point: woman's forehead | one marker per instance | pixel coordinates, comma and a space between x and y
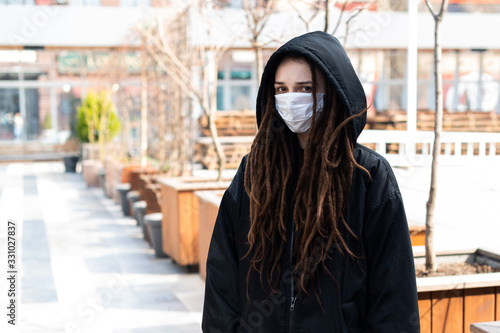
293, 69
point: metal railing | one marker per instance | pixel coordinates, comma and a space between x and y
402, 148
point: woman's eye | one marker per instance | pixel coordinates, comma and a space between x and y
306, 89
281, 90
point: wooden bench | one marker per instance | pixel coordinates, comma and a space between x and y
235, 147
452, 121
231, 123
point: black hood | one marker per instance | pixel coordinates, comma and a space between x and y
325, 52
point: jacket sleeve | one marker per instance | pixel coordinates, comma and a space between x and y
221, 309
392, 304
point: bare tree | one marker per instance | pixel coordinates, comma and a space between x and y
430, 254
118, 70
325, 6
308, 17
327, 14
170, 114
257, 13
201, 88
320, 6
355, 12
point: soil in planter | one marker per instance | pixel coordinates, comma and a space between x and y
461, 268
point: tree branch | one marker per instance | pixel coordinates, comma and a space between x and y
340, 17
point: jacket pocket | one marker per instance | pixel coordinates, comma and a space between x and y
351, 317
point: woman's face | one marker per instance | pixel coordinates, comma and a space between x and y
294, 75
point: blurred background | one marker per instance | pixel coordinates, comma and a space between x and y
53, 52
131, 94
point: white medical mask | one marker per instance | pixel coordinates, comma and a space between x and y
296, 109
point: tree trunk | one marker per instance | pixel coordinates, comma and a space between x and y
259, 61
182, 153
430, 254
144, 109
221, 157
327, 13
103, 133
162, 119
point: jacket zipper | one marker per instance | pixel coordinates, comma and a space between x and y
293, 298
292, 314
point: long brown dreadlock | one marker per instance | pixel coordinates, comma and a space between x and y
318, 192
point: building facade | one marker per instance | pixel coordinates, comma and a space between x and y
50, 55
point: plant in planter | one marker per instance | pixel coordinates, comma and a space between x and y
161, 39
451, 303
97, 122
168, 44
71, 149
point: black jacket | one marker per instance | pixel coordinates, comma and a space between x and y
375, 292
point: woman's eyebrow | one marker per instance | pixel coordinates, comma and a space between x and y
300, 82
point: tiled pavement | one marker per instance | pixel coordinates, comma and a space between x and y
85, 267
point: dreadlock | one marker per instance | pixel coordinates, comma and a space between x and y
318, 192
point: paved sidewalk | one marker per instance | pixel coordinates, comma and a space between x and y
85, 267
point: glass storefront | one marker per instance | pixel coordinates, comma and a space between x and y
45, 87
9, 106
471, 79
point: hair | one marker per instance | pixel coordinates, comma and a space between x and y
276, 182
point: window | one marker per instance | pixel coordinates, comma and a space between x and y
85, 2
236, 86
135, 3
475, 85
240, 98
390, 93
17, 2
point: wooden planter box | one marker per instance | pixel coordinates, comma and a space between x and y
118, 173
180, 208
90, 172
127, 171
109, 178
209, 202
148, 194
453, 303
135, 174
417, 235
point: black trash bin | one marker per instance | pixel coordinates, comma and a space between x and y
70, 163
153, 222
102, 179
139, 209
132, 197
123, 190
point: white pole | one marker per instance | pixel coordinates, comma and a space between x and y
411, 109
22, 105
53, 110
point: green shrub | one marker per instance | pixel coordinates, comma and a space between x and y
97, 114
47, 122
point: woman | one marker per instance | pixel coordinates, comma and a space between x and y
311, 235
